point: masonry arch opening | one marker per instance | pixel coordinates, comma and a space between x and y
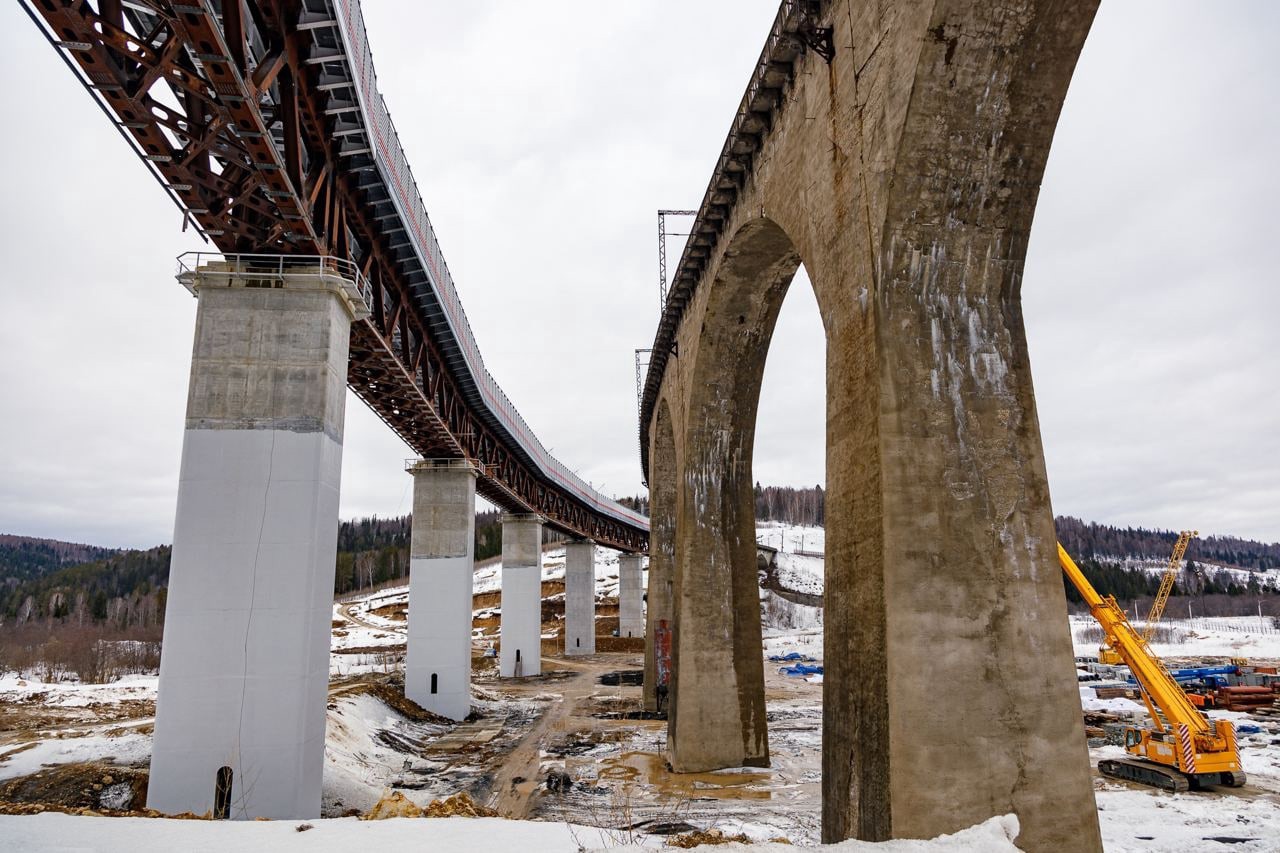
716, 555
789, 471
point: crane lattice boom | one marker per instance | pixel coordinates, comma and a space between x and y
1166, 583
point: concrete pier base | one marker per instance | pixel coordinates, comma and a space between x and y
520, 637
580, 598
630, 596
245, 667
437, 670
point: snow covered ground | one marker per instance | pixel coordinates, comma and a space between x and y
371, 745
56, 832
800, 573
82, 722
1227, 636
488, 578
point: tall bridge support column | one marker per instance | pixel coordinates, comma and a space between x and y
437, 669
240, 715
580, 598
662, 561
521, 632
630, 596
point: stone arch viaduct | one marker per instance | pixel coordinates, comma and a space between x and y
895, 148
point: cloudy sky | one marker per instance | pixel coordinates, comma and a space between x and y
544, 141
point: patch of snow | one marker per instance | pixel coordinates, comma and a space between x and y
118, 796
358, 765
130, 748
1228, 636
791, 538
1141, 821
801, 573
73, 694
1089, 701
59, 832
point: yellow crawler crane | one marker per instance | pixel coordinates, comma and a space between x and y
1182, 749
1108, 655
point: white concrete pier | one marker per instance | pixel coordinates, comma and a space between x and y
630, 595
437, 670
245, 667
580, 597
521, 633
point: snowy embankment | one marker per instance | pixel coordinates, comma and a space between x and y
488, 578
794, 581
57, 832
81, 722
1228, 636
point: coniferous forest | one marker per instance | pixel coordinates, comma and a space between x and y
49, 582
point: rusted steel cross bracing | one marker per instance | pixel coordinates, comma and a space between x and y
262, 120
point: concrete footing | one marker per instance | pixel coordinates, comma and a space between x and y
521, 632
437, 670
580, 598
240, 715
630, 596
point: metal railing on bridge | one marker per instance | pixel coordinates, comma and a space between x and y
394, 168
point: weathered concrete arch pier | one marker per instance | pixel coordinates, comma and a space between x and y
896, 150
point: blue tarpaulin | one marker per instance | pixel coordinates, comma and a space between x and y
801, 669
790, 657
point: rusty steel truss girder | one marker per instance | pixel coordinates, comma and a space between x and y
232, 106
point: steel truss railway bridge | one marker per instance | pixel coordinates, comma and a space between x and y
261, 119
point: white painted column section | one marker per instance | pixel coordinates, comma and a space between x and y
245, 667
520, 637
580, 598
630, 596
437, 669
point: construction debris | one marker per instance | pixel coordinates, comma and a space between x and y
459, 805
1245, 698
559, 782
392, 694
94, 786
711, 836
393, 804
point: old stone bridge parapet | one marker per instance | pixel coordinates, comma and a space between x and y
896, 150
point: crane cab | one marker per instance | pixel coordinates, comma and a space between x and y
1189, 761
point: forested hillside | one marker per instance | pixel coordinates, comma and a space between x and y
24, 557
125, 590
1088, 539
1130, 584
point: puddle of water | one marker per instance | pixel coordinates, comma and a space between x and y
651, 770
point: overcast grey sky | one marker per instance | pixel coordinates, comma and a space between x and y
544, 140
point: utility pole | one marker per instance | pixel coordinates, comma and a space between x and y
642, 362
662, 250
